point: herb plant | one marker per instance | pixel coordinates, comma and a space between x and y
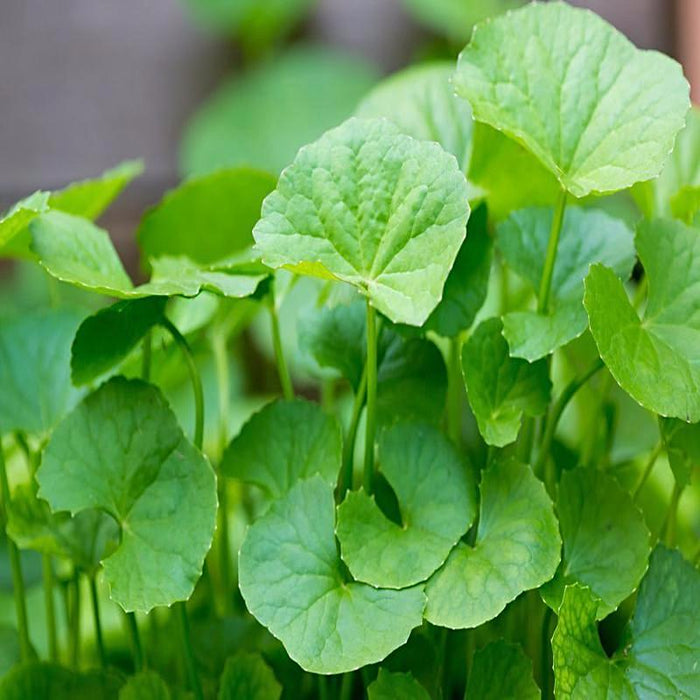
498, 305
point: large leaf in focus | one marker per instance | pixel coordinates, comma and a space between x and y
656, 360
122, 450
292, 582
682, 441
206, 218
517, 548
502, 671
145, 685
437, 504
248, 676
595, 110
606, 542
662, 644
587, 236
466, 286
370, 206
421, 102
501, 388
36, 390
284, 442
390, 686
263, 117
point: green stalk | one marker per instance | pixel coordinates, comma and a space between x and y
282, 369
184, 625
98, 624
648, 469
48, 577
669, 527
551, 255
349, 445
75, 620
545, 663
368, 473
16, 569
146, 353
455, 391
135, 641
346, 686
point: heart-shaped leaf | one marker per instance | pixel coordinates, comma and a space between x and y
587, 236
501, 388
655, 360
306, 441
248, 676
606, 542
145, 685
389, 686
598, 112
206, 218
662, 643
502, 671
436, 499
370, 206
292, 582
122, 450
517, 548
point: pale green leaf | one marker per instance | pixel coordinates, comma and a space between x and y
248, 676
292, 582
587, 236
656, 360
685, 205
374, 208
606, 542
16, 220
306, 441
502, 671
148, 477
145, 685
517, 548
437, 504
391, 686
595, 110
682, 442
501, 388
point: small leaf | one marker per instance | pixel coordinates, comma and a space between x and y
517, 548
34, 371
685, 205
248, 676
682, 442
306, 441
501, 388
390, 686
437, 503
16, 220
291, 581
654, 360
104, 339
601, 114
121, 450
206, 218
606, 542
587, 236
145, 685
372, 207
502, 671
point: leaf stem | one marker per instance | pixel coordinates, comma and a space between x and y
551, 255
455, 389
346, 686
349, 445
146, 355
371, 418
184, 625
135, 640
282, 369
48, 577
545, 651
98, 624
75, 620
668, 531
655, 453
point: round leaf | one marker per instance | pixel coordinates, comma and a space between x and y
389, 686
502, 671
248, 676
291, 580
437, 504
598, 112
370, 206
121, 450
145, 685
517, 548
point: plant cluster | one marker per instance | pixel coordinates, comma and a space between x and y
496, 275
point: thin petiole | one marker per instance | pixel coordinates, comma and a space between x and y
135, 640
282, 369
349, 445
668, 531
455, 391
146, 355
48, 579
368, 473
98, 624
551, 255
75, 620
655, 453
184, 625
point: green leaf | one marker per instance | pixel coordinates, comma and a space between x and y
596, 111
248, 676
421, 102
34, 371
292, 582
306, 441
517, 548
587, 236
437, 503
466, 286
502, 671
686, 205
148, 477
682, 441
314, 88
16, 220
206, 218
370, 206
501, 388
10, 651
146, 685
661, 646
390, 686
656, 360
606, 542
104, 339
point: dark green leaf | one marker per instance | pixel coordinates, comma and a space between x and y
247, 676
502, 671
146, 685
682, 442
391, 686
